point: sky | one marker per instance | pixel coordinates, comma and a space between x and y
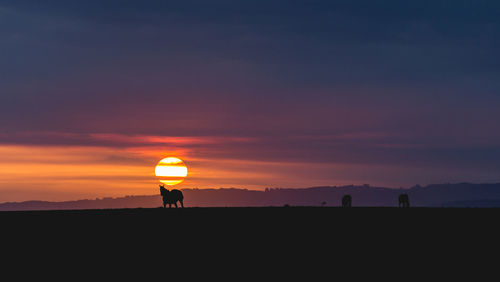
250, 94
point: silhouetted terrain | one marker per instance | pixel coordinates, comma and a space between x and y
439, 195
240, 230
318, 241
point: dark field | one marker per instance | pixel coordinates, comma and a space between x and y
319, 222
253, 237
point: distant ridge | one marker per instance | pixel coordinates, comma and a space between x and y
435, 195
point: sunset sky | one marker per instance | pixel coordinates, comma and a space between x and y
249, 94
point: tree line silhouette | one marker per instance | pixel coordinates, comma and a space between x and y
485, 195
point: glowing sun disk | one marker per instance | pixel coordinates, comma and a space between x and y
171, 171
162, 170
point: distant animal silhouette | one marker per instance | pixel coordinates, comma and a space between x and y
404, 201
171, 197
346, 201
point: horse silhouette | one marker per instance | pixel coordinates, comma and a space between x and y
346, 201
404, 201
171, 197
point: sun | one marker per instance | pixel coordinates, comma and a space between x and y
171, 171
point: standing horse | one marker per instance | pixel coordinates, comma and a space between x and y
171, 197
346, 201
404, 201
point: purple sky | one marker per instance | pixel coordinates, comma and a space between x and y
392, 93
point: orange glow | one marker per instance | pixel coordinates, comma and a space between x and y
69, 172
171, 171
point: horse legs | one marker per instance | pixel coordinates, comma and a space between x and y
175, 205
182, 203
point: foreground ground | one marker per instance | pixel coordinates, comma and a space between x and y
311, 241
289, 221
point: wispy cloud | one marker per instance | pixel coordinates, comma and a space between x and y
251, 95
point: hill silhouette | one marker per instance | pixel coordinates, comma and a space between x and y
436, 195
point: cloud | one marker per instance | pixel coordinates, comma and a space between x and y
354, 84
369, 148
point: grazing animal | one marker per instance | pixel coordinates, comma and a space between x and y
171, 197
346, 201
404, 201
